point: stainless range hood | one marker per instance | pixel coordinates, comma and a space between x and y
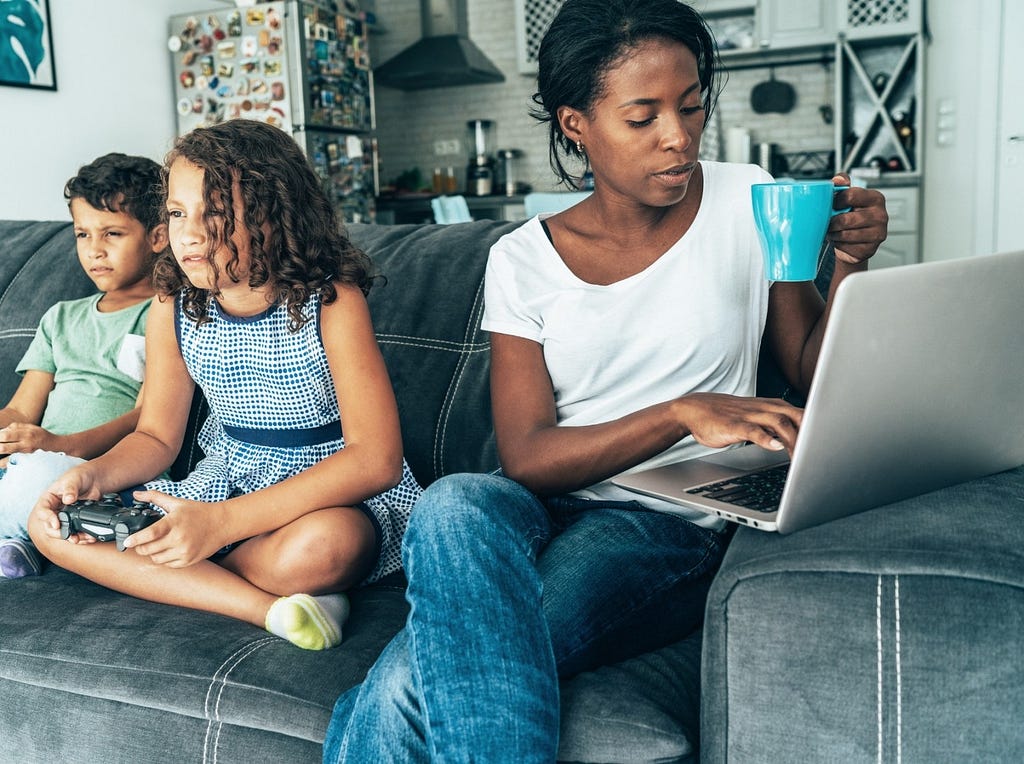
444, 57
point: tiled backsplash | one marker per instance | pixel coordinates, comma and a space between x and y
410, 123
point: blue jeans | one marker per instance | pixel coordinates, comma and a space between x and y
27, 476
507, 593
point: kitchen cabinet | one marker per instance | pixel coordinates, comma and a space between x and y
871, 19
786, 24
902, 245
712, 7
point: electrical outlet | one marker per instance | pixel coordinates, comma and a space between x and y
446, 148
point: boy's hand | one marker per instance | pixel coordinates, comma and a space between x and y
190, 532
73, 485
24, 438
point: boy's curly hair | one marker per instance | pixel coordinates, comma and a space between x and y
297, 245
121, 183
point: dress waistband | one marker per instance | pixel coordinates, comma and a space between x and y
294, 438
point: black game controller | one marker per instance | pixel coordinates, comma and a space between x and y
107, 519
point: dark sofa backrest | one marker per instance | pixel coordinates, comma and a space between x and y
427, 319
38, 267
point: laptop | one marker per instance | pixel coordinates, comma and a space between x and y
919, 385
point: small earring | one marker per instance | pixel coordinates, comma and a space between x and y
579, 146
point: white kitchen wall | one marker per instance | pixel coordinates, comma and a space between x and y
113, 80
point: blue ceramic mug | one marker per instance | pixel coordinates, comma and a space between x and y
792, 218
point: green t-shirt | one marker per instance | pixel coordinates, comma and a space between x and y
97, 361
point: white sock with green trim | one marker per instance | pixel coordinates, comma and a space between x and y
312, 623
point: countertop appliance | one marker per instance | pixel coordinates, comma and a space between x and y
291, 64
480, 172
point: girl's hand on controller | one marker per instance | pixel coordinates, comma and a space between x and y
189, 533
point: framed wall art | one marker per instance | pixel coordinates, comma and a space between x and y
26, 45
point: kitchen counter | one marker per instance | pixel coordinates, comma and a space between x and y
415, 208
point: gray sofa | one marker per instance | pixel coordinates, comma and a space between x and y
87, 675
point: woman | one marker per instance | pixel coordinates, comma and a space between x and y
624, 333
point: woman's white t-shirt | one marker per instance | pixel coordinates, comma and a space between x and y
690, 322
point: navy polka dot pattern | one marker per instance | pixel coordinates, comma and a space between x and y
258, 374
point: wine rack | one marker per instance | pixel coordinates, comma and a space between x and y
879, 84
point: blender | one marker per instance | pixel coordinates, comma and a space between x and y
505, 177
480, 173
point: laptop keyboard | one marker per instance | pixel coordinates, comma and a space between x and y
761, 490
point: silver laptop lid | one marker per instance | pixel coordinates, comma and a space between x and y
920, 385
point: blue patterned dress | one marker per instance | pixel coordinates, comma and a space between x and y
273, 413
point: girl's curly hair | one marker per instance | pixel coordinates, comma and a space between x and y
298, 246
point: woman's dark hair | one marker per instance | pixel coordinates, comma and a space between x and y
120, 183
297, 244
587, 37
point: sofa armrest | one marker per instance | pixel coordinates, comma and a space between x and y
892, 634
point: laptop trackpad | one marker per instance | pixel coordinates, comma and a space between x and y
747, 458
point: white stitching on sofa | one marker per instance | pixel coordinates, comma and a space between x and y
899, 674
24, 332
428, 342
235, 659
878, 651
897, 658
461, 349
439, 434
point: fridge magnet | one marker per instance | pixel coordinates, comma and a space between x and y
235, 24
254, 17
26, 45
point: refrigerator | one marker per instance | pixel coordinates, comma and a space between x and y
295, 65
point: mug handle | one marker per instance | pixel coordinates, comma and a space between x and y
835, 190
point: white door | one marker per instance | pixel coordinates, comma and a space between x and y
1010, 149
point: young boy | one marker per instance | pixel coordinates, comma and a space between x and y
83, 370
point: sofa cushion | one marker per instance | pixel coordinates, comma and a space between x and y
892, 634
646, 709
162, 678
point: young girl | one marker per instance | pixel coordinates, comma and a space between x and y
262, 303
